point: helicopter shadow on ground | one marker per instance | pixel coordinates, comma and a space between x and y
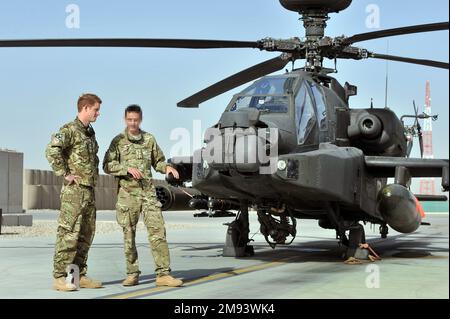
410, 246
326, 251
321, 250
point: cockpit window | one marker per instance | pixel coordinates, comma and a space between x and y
270, 103
270, 85
269, 94
320, 106
304, 114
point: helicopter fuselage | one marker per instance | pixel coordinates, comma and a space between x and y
316, 159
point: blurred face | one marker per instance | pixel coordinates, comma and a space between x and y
133, 121
91, 112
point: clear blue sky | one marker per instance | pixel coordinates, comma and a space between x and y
39, 86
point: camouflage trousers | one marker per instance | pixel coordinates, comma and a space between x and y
130, 205
76, 229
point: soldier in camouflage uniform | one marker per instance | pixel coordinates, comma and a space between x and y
130, 158
72, 153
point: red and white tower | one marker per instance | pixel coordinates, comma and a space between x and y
427, 185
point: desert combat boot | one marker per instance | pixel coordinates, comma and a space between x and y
168, 281
86, 282
131, 280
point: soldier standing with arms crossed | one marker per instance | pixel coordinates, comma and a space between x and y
130, 158
72, 153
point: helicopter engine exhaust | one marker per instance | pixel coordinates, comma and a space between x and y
399, 208
368, 127
376, 132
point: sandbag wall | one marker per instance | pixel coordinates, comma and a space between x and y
42, 190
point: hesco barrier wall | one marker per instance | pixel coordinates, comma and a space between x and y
11, 170
42, 190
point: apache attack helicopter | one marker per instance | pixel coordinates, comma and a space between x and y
327, 162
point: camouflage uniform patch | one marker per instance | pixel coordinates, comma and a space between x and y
58, 139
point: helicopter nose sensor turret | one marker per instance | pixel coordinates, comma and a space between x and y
306, 5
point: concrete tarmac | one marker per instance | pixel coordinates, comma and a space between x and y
412, 266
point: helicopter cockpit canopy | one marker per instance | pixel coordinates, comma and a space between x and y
310, 108
270, 94
273, 94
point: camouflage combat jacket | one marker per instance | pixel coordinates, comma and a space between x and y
141, 152
73, 150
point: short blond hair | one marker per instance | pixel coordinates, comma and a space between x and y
88, 99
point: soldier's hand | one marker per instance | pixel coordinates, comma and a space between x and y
72, 179
173, 171
135, 173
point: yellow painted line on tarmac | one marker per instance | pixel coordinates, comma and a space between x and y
218, 276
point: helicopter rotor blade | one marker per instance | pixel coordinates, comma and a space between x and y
409, 147
416, 109
236, 80
420, 140
419, 128
436, 64
129, 43
396, 31
416, 113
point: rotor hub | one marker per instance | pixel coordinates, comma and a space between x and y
314, 14
315, 24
